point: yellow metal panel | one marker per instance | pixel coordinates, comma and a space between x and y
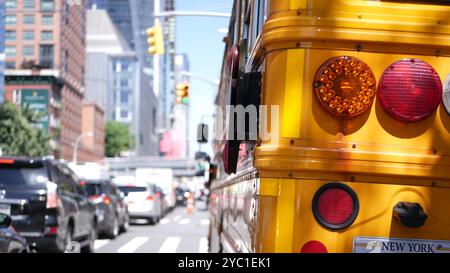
375, 217
285, 215
293, 92
298, 4
268, 187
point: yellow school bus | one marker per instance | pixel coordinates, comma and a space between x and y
359, 159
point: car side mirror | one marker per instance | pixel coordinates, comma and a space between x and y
5, 221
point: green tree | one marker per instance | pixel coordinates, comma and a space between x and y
117, 138
18, 135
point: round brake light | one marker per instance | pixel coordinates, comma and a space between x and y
345, 86
410, 90
335, 206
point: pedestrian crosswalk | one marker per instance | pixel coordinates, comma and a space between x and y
133, 245
169, 245
176, 233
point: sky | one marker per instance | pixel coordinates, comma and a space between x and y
200, 39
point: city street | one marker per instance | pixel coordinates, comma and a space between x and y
177, 232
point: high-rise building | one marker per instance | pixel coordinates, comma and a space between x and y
45, 64
2, 48
112, 78
132, 18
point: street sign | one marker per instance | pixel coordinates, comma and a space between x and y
37, 100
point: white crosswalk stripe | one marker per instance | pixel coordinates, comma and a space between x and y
203, 245
184, 221
164, 221
99, 243
132, 245
204, 222
170, 245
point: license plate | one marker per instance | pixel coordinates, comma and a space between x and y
5, 209
397, 245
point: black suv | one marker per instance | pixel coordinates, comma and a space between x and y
47, 204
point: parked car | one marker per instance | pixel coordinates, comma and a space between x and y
111, 208
47, 204
10, 241
143, 202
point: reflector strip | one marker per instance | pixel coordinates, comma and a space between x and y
293, 93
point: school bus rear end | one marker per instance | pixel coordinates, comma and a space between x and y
395, 170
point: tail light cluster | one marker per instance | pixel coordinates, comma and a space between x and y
345, 86
100, 199
335, 206
52, 196
409, 90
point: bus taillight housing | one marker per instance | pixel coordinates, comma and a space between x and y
335, 206
345, 87
410, 90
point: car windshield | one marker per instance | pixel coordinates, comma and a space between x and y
22, 175
126, 190
94, 189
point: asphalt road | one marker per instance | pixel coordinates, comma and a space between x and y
177, 232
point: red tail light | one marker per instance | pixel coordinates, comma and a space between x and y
158, 194
314, 247
107, 200
51, 230
335, 206
6, 161
150, 197
52, 196
410, 90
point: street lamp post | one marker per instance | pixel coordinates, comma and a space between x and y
77, 143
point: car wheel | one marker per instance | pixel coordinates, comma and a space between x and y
126, 224
92, 237
67, 248
115, 229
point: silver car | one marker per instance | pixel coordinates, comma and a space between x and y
144, 202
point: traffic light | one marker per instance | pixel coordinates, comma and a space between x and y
182, 93
155, 39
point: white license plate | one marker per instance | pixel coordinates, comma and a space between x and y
397, 245
5, 209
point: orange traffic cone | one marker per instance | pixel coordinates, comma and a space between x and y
190, 204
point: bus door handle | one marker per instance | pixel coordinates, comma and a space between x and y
410, 214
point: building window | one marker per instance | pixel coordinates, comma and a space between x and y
10, 35
124, 97
47, 20
10, 20
28, 51
124, 114
47, 5
10, 65
11, 4
28, 35
10, 51
117, 66
124, 82
47, 36
28, 19
29, 4
46, 56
